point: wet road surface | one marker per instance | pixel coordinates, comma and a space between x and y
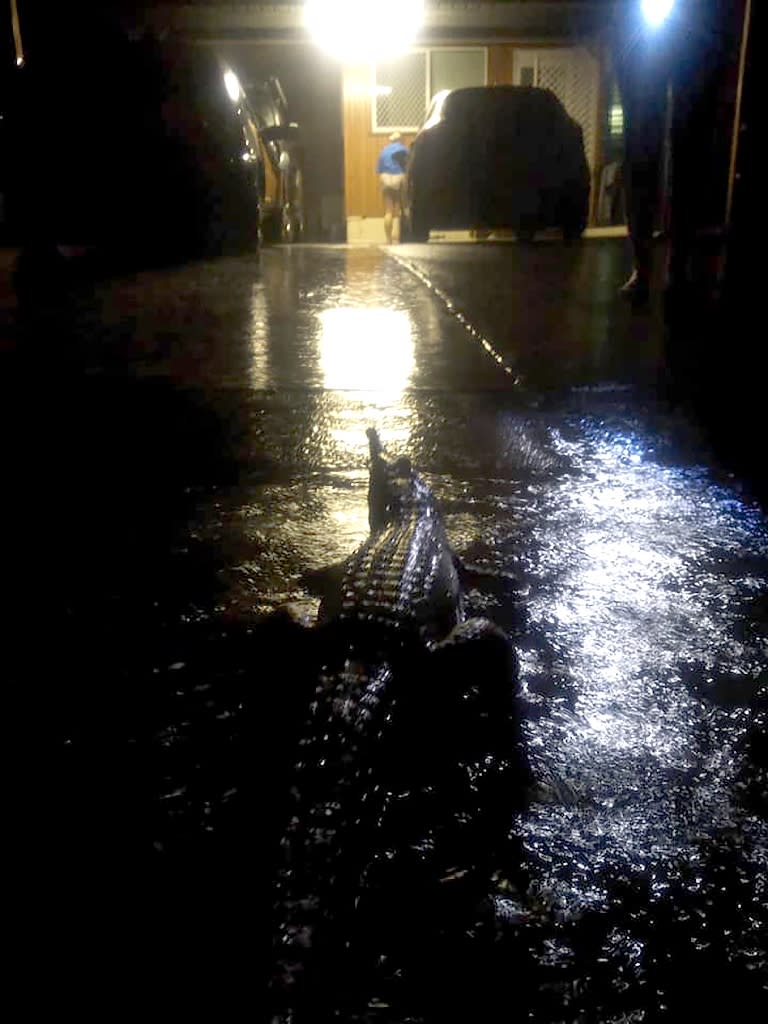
191, 441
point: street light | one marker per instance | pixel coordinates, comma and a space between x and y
363, 30
656, 12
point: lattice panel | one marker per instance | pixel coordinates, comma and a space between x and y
572, 75
554, 75
405, 105
581, 103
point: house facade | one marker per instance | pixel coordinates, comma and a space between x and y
557, 45
379, 98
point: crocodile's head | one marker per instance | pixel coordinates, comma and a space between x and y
393, 487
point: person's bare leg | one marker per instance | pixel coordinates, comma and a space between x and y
388, 212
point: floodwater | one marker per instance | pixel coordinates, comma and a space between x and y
203, 446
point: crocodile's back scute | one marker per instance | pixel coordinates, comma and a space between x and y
403, 578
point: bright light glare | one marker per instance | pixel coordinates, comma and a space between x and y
232, 85
438, 100
366, 350
656, 12
360, 30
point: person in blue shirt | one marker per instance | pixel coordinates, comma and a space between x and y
391, 171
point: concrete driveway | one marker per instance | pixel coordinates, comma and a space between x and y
184, 444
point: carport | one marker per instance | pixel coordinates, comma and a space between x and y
347, 107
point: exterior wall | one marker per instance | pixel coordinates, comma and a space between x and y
364, 205
500, 64
361, 145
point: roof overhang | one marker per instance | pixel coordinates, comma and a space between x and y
284, 22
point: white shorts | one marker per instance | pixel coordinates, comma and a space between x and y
392, 185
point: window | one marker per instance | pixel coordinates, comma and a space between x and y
455, 69
403, 87
616, 119
615, 114
401, 91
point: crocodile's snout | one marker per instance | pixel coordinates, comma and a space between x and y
389, 486
374, 443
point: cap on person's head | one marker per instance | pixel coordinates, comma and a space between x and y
395, 137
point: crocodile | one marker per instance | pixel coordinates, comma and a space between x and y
403, 677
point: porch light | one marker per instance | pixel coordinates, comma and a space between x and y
656, 12
360, 30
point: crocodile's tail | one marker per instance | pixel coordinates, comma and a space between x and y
337, 802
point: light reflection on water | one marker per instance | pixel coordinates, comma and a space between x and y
643, 577
640, 568
629, 595
641, 640
366, 349
367, 352
365, 358
259, 374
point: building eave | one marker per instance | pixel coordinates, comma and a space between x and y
285, 22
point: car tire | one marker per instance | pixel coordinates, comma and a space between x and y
573, 219
572, 232
271, 229
417, 227
291, 227
286, 227
572, 226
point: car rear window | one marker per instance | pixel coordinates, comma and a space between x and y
482, 102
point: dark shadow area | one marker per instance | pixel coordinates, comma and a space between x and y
121, 150
553, 311
715, 313
146, 733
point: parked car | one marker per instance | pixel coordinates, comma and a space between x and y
123, 152
500, 156
269, 130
